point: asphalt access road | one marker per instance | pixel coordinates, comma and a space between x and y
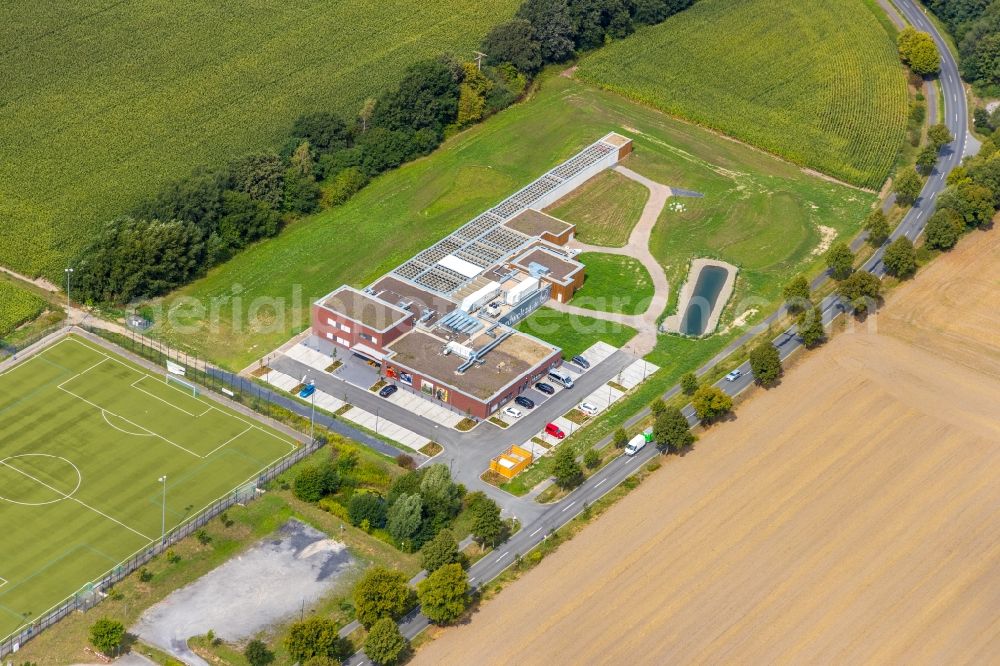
955, 116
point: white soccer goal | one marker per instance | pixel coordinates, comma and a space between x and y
182, 384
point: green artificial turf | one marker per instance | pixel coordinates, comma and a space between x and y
84, 438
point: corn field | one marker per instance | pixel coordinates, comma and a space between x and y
814, 81
101, 103
17, 306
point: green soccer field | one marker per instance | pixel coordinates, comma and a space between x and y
85, 437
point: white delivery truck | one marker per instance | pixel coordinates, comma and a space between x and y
636, 443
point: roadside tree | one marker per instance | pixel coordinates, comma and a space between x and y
657, 406
877, 227
926, 160
811, 327
566, 469
315, 636
591, 458
441, 550
796, 295
381, 593
487, 525
384, 645
900, 258
939, 135
620, 437
444, 595
765, 363
861, 291
689, 384
943, 229
840, 260
672, 432
907, 187
711, 403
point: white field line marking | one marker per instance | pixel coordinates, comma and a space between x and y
80, 502
227, 442
104, 413
566, 508
601, 481
536, 531
502, 556
3, 581
95, 406
291, 445
167, 402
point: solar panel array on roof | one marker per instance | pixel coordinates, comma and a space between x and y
482, 241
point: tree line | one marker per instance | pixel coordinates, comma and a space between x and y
203, 219
975, 24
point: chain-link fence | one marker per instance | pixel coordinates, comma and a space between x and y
199, 371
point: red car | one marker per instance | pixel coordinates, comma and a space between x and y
553, 429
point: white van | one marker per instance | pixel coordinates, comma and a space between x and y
559, 375
636, 443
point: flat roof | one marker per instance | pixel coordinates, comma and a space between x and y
394, 290
616, 139
364, 309
460, 266
535, 223
504, 364
559, 269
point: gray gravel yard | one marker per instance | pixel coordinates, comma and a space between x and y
272, 581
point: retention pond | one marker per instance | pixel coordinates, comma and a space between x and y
702, 298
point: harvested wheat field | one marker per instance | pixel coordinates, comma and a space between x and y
852, 515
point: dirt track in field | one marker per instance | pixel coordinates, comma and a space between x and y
852, 515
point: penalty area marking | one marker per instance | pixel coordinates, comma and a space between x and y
104, 413
3, 581
167, 402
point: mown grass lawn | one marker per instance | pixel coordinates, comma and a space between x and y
252, 304
105, 101
614, 283
604, 210
817, 82
573, 333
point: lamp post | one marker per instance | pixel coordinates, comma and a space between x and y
163, 513
69, 272
312, 418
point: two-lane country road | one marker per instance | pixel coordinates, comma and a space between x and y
955, 116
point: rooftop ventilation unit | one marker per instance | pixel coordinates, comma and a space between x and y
405, 304
461, 322
425, 315
537, 270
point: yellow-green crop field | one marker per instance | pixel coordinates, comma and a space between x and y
814, 81
102, 102
17, 306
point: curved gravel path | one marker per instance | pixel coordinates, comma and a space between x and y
637, 248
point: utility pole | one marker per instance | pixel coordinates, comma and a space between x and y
163, 514
479, 60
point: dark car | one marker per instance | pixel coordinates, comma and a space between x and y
388, 390
545, 388
527, 403
582, 362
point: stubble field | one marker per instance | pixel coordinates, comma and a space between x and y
849, 516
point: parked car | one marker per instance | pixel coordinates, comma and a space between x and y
512, 412
388, 390
547, 389
554, 430
581, 361
588, 408
527, 403
307, 390
734, 375
562, 377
